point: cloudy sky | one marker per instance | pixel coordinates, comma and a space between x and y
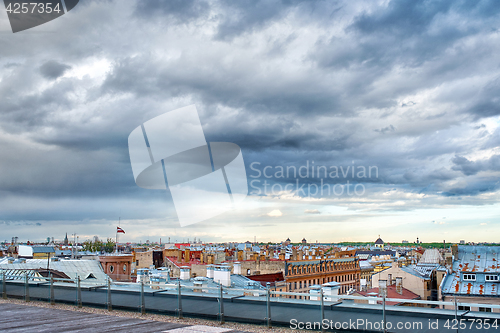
408, 88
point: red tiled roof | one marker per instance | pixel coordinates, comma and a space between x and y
392, 293
271, 277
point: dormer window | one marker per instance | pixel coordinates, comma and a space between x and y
491, 278
469, 277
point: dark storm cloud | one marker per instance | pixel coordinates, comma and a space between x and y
470, 168
423, 38
179, 11
420, 30
487, 101
53, 69
393, 85
230, 85
479, 186
386, 129
246, 16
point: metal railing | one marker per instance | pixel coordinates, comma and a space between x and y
54, 290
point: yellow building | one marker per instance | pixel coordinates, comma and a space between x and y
36, 252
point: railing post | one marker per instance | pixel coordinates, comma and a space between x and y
78, 293
26, 288
384, 325
221, 305
456, 311
4, 286
179, 300
110, 307
268, 303
52, 298
143, 304
322, 307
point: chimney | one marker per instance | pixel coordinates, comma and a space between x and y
399, 285
198, 286
179, 255
282, 256
382, 288
210, 259
237, 268
240, 255
300, 255
271, 253
187, 255
454, 251
185, 273
210, 271
222, 275
294, 254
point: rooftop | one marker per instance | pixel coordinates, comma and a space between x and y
431, 256
473, 259
391, 293
72, 268
43, 249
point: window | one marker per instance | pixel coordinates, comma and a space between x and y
484, 309
111, 268
469, 277
124, 268
491, 277
137, 262
464, 308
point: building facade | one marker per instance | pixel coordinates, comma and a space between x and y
118, 266
301, 274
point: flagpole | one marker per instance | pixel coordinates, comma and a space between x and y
117, 234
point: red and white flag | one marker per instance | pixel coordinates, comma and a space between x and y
119, 230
